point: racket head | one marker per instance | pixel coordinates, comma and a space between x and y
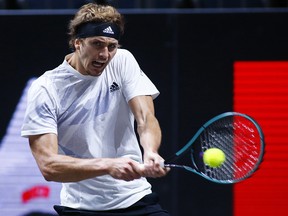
239, 137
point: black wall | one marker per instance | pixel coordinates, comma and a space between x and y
188, 56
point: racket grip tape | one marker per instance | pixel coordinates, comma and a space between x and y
162, 164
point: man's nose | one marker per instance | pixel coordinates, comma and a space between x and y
104, 53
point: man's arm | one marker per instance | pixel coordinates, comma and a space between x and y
149, 134
61, 168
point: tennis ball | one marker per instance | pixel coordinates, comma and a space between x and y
214, 157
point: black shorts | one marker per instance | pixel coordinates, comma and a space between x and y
147, 206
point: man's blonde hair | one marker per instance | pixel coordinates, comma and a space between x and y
94, 13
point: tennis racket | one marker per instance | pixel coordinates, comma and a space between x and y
237, 135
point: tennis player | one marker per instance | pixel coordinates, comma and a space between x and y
80, 123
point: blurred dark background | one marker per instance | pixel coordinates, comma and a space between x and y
64, 4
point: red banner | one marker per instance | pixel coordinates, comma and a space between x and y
261, 91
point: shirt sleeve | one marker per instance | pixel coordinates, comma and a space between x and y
135, 81
40, 116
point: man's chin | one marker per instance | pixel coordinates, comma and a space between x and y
97, 72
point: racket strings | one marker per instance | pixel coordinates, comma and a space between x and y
211, 138
239, 139
247, 147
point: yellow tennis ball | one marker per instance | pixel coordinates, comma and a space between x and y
214, 157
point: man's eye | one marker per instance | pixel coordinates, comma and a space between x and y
111, 47
97, 43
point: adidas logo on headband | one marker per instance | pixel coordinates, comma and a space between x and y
92, 29
108, 30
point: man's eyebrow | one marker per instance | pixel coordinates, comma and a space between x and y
105, 42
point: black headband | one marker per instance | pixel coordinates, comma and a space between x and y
92, 29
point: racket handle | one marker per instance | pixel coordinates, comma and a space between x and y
162, 164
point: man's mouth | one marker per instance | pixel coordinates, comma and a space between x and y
98, 64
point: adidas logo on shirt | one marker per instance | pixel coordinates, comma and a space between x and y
108, 30
114, 87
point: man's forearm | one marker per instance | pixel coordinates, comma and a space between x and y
150, 134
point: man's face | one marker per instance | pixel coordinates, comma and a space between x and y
94, 53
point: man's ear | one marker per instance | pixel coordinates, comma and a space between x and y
77, 43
